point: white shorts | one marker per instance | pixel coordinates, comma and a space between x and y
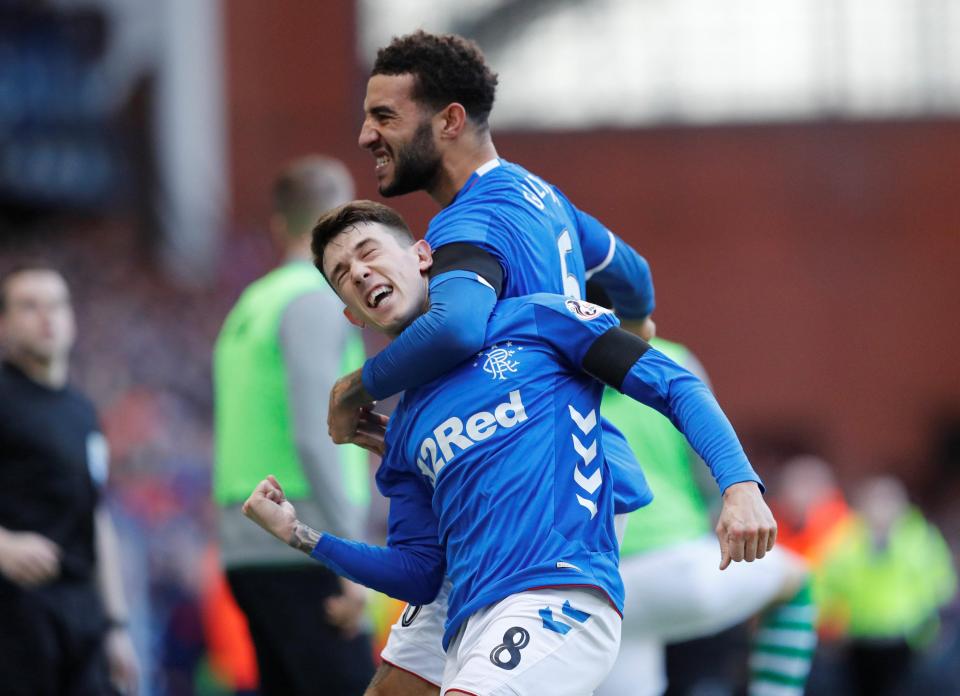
558, 641
678, 593
415, 643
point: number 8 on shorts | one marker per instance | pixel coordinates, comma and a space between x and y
556, 641
507, 654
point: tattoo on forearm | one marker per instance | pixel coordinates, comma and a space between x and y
354, 393
304, 538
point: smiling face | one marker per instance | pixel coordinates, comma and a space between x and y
398, 132
381, 278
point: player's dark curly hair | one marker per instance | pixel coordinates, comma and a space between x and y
350, 215
447, 68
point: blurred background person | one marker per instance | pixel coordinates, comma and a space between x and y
61, 596
883, 586
280, 350
811, 510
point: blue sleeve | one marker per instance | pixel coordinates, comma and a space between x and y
577, 329
411, 566
659, 382
452, 330
627, 280
615, 266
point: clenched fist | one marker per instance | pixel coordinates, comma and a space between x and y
269, 508
746, 529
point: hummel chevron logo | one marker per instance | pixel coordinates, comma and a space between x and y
589, 484
551, 624
575, 614
585, 423
589, 504
561, 627
587, 453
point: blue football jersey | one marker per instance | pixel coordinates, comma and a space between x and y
544, 245
527, 225
509, 444
497, 473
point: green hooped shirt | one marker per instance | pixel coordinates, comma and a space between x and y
248, 360
678, 511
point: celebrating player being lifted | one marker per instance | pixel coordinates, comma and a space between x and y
426, 109
496, 474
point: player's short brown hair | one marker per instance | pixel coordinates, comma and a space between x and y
349, 215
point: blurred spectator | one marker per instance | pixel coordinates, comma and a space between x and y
232, 659
65, 616
280, 350
143, 356
810, 508
884, 584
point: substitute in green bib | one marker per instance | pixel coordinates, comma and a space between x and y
279, 352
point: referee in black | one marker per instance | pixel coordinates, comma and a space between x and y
62, 610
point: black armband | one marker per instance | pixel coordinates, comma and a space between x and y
463, 256
611, 356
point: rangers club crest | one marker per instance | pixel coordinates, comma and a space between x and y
585, 310
498, 361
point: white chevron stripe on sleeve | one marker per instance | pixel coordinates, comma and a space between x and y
589, 504
589, 484
585, 423
587, 453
